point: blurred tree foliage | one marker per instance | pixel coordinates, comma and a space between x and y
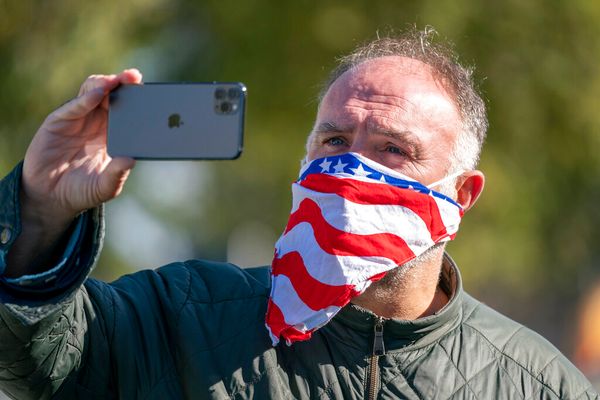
530, 245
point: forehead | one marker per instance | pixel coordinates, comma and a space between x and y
393, 81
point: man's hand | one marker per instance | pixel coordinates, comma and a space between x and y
67, 170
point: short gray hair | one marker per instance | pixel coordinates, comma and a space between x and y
455, 78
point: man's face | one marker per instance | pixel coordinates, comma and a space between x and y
393, 111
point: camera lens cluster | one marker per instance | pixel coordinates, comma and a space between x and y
227, 100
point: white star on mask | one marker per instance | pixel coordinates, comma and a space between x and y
360, 171
339, 167
325, 165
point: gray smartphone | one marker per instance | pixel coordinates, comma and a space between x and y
177, 121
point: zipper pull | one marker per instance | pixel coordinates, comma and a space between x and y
378, 346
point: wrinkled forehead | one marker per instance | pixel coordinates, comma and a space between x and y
394, 79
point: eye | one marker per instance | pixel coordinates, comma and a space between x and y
395, 150
335, 141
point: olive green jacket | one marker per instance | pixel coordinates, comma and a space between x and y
195, 330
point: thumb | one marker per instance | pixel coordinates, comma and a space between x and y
114, 176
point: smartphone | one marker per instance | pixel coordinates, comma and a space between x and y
177, 121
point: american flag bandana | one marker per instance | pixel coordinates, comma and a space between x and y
352, 220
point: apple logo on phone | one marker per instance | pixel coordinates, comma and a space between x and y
175, 121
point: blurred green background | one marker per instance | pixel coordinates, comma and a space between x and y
529, 248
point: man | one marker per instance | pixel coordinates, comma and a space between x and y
398, 116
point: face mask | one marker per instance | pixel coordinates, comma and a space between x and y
352, 220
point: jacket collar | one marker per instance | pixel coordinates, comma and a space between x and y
400, 334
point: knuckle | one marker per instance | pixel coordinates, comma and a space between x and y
92, 82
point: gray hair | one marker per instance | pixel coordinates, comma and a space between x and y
455, 78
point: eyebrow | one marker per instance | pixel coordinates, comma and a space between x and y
328, 127
406, 137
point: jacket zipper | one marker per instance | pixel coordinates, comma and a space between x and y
378, 350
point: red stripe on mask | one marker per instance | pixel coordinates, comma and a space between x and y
340, 243
361, 192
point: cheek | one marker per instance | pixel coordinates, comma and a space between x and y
317, 152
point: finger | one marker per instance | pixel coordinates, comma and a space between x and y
109, 82
114, 176
93, 82
80, 106
130, 76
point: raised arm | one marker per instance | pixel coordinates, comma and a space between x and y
66, 171
47, 322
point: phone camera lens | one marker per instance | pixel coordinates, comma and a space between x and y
226, 107
233, 93
220, 94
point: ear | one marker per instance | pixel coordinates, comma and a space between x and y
468, 188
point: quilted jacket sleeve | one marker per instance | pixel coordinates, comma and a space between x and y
44, 329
